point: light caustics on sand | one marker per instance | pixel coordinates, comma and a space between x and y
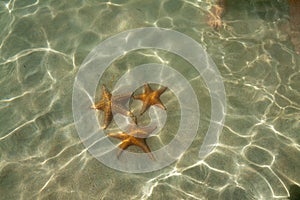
249, 174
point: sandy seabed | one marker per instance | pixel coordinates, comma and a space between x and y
42, 45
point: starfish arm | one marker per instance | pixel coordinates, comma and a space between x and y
106, 95
139, 97
151, 156
99, 106
121, 136
147, 88
133, 118
145, 107
161, 90
142, 144
107, 117
124, 145
105, 91
159, 104
105, 105
142, 132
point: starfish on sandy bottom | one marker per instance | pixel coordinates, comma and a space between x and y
150, 97
136, 136
111, 105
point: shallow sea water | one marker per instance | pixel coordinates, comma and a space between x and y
42, 45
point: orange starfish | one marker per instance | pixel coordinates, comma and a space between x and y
150, 97
111, 105
135, 136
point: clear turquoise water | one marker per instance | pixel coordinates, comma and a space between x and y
42, 45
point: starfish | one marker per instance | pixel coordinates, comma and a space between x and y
136, 136
111, 105
150, 97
